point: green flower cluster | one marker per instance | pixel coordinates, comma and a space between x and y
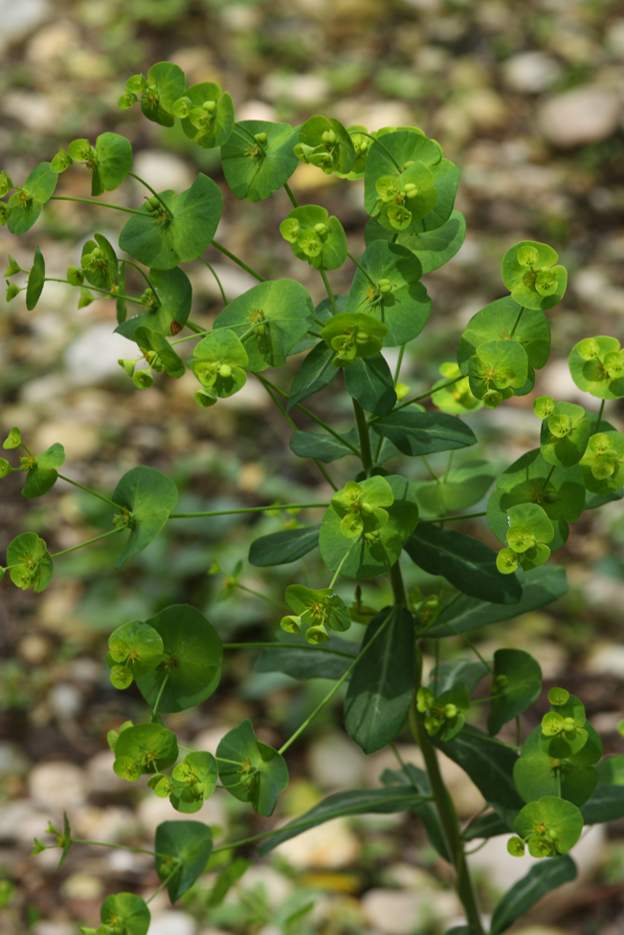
314, 613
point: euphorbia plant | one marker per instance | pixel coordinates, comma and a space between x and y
539, 789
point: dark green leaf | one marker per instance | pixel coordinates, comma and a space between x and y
301, 660
382, 682
316, 371
517, 683
467, 563
250, 770
281, 548
369, 381
320, 447
182, 852
432, 248
540, 586
36, 279
173, 296
43, 474
543, 877
423, 433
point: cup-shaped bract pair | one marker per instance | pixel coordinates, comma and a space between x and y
452, 392
547, 827
352, 335
26, 203
324, 142
528, 534
206, 113
193, 780
497, 370
315, 236
362, 506
121, 914
158, 91
99, 263
29, 563
597, 366
315, 611
566, 428
133, 648
219, 362
603, 462
564, 727
533, 276
444, 714
144, 748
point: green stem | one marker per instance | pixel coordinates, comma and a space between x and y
217, 280
291, 195
236, 259
362, 269
89, 490
516, 323
306, 647
449, 822
98, 204
430, 392
365, 446
159, 696
600, 414
249, 509
81, 545
259, 595
152, 191
92, 288
376, 139
329, 291
336, 686
456, 518
398, 585
123, 847
141, 271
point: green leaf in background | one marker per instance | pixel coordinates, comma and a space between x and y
488, 762
125, 913
250, 770
42, 474
387, 286
467, 563
208, 114
506, 321
258, 158
370, 382
269, 319
549, 825
144, 748
343, 804
281, 548
36, 279
382, 682
169, 307
597, 366
433, 248
459, 488
540, 586
315, 372
147, 498
113, 162
532, 275
165, 83
177, 231
315, 236
541, 879
28, 562
300, 660
320, 447
517, 682
193, 655
25, 204
219, 362
423, 433
182, 852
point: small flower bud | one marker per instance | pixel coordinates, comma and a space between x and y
126, 101
261, 138
5, 183
142, 379
558, 696
61, 161
515, 847
86, 298
11, 291
5, 467
136, 84
75, 275
182, 107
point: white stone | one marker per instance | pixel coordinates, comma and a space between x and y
22, 820
153, 810
531, 72
276, 885
162, 170
332, 844
607, 658
58, 785
336, 762
93, 355
583, 115
54, 928
12, 761
172, 923
395, 912
65, 700
19, 18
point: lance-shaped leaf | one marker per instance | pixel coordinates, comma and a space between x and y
269, 319
540, 587
320, 447
191, 665
250, 770
382, 682
315, 372
147, 497
387, 286
433, 248
258, 158
179, 231
517, 683
344, 804
300, 660
541, 879
423, 433
182, 852
467, 563
371, 383
459, 488
36, 279
281, 548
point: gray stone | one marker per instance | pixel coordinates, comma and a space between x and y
162, 170
19, 18
58, 785
335, 761
12, 761
172, 923
93, 355
531, 72
583, 115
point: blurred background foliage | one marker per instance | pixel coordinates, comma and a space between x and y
529, 100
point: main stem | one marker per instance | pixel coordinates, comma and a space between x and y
365, 445
450, 824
